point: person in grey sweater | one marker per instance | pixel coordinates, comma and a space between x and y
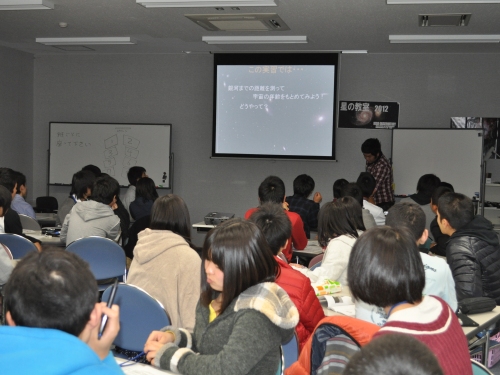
94, 217
242, 316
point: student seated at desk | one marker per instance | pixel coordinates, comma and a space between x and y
53, 319
367, 183
277, 228
438, 278
353, 190
339, 225
6, 263
242, 317
145, 196
134, 174
308, 209
81, 190
11, 220
473, 251
425, 187
165, 263
385, 269
272, 189
19, 203
440, 239
94, 217
337, 187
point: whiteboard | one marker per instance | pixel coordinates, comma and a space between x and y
112, 147
454, 155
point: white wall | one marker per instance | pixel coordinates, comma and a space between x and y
16, 112
177, 89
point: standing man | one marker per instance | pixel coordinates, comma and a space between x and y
380, 168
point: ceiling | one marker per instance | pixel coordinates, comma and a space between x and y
328, 24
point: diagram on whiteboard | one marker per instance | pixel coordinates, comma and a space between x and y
113, 161
114, 148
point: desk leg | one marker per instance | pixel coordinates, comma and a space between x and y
486, 348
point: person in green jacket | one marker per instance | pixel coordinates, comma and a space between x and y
242, 316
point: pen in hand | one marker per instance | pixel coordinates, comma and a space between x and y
111, 299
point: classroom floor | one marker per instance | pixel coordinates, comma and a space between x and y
496, 369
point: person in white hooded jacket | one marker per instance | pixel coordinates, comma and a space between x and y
94, 217
165, 264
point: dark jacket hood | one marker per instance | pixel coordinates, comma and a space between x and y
480, 228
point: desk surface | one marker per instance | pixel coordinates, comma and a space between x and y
202, 224
42, 237
312, 249
45, 216
484, 320
141, 369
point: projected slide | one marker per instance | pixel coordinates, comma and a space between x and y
282, 110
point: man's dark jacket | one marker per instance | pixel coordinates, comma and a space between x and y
473, 253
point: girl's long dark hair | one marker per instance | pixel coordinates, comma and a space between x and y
240, 250
344, 216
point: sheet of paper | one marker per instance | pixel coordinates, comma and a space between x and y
349, 310
345, 307
338, 301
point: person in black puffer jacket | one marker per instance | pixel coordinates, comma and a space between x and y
473, 251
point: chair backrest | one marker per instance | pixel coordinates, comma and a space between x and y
29, 223
6, 249
290, 351
140, 314
479, 369
105, 257
46, 204
18, 245
317, 259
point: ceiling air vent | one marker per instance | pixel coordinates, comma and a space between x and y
426, 20
239, 22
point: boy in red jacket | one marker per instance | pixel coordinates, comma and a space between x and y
276, 227
272, 190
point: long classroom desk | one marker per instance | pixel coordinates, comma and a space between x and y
46, 240
141, 369
312, 249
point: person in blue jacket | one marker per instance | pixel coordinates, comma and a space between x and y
53, 319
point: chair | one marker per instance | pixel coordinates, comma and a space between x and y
290, 352
46, 204
479, 369
105, 257
140, 314
18, 245
29, 223
316, 261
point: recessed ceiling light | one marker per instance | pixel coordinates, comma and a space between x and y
85, 41
26, 5
253, 39
205, 3
355, 51
408, 2
444, 38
